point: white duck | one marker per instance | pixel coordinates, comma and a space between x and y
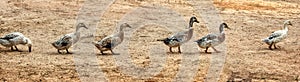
111, 41
66, 41
14, 39
180, 38
277, 36
212, 40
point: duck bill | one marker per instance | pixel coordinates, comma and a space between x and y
29, 49
86, 27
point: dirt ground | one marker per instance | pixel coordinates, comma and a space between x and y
44, 21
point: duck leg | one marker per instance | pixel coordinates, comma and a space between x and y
270, 46
58, 51
29, 49
170, 49
215, 49
16, 48
206, 49
102, 52
68, 51
179, 49
112, 51
275, 46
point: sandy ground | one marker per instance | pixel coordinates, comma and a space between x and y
44, 21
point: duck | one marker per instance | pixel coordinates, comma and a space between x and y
15, 38
212, 39
179, 38
67, 40
108, 43
278, 36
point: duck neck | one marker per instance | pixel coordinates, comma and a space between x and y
28, 42
221, 28
190, 30
191, 23
285, 27
190, 33
77, 32
221, 37
77, 35
121, 33
1, 41
77, 28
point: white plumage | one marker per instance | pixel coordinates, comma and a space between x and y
212, 40
111, 41
14, 39
66, 41
277, 36
180, 38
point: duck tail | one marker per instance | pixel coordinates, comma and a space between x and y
160, 39
4, 38
265, 40
94, 43
54, 44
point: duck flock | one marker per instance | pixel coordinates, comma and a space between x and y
110, 42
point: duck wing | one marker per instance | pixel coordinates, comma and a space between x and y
179, 36
12, 35
275, 35
211, 36
208, 39
110, 42
63, 42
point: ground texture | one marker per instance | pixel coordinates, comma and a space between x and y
44, 21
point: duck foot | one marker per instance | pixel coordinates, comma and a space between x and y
58, 52
275, 46
112, 52
270, 46
102, 53
68, 51
170, 49
16, 48
12, 48
216, 50
206, 50
179, 49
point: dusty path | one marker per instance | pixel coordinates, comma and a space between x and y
247, 57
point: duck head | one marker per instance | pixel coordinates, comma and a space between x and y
192, 20
81, 25
29, 44
288, 22
225, 25
222, 26
124, 25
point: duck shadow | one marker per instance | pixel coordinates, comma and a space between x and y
174, 53
11, 50
56, 53
267, 49
108, 54
206, 53
184, 53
